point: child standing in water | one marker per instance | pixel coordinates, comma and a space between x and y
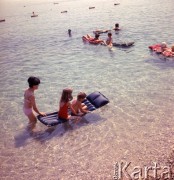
69, 32
65, 104
78, 106
109, 40
29, 101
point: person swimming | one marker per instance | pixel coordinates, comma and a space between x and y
69, 32
34, 15
94, 39
117, 27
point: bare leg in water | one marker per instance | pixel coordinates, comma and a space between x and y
32, 121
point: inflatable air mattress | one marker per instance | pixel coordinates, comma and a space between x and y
158, 49
2, 20
91, 40
123, 44
93, 101
168, 53
34, 16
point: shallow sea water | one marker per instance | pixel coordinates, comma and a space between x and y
136, 126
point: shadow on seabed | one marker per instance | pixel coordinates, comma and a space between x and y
22, 138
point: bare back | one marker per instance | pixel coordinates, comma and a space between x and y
76, 105
28, 98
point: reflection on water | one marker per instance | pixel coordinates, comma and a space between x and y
137, 125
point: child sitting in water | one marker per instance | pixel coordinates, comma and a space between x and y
65, 104
78, 106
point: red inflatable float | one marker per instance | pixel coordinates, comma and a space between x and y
168, 53
91, 39
161, 49
157, 48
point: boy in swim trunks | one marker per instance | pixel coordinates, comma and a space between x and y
109, 40
29, 101
78, 106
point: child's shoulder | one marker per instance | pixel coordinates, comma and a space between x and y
75, 101
27, 92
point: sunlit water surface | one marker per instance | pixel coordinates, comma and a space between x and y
136, 126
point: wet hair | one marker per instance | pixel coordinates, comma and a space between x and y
116, 25
97, 36
66, 95
33, 81
109, 34
81, 95
69, 31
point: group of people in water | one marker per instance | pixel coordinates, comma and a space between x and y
166, 49
96, 40
163, 49
77, 108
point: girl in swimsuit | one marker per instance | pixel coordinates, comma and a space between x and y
65, 104
29, 101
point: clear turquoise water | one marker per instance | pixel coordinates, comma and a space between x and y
136, 126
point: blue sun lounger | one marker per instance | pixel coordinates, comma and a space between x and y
93, 101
